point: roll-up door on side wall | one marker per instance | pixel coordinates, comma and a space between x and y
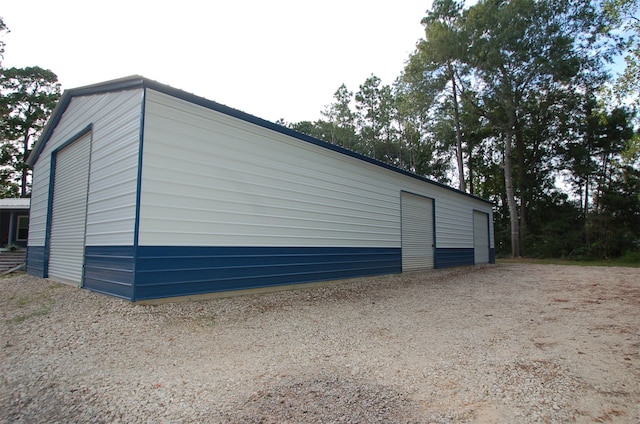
480, 237
68, 211
417, 232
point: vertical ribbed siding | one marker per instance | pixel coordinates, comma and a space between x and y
69, 211
115, 118
417, 232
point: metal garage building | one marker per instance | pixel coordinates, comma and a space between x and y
143, 191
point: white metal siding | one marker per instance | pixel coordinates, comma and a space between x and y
68, 215
210, 179
480, 237
39, 202
417, 232
112, 193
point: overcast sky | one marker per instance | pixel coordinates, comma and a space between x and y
273, 59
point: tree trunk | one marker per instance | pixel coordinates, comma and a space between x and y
508, 183
470, 167
522, 184
586, 196
456, 118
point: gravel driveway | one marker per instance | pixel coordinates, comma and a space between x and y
496, 344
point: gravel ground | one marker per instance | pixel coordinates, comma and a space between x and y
503, 343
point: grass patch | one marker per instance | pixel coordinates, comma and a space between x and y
40, 303
22, 318
610, 263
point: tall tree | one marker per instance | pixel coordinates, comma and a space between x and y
408, 120
368, 115
341, 119
28, 95
519, 49
436, 66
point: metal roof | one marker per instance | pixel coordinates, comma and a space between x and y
15, 203
137, 81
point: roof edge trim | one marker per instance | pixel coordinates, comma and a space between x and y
137, 81
127, 83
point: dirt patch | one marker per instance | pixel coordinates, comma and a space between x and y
504, 343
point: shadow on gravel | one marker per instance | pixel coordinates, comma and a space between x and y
324, 398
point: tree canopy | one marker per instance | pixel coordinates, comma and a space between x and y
27, 98
503, 98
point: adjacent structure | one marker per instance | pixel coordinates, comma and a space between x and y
14, 222
143, 191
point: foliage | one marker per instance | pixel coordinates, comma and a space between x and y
3, 29
624, 18
502, 98
27, 98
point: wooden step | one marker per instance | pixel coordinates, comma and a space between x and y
11, 258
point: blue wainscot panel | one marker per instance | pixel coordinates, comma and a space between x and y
452, 257
166, 271
35, 261
109, 269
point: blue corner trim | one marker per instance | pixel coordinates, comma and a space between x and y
452, 257
166, 271
136, 225
492, 255
36, 261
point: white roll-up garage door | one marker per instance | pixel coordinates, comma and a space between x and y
417, 232
480, 237
69, 211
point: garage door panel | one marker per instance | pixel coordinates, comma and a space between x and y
68, 211
417, 232
480, 237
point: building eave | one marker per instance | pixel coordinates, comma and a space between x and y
137, 81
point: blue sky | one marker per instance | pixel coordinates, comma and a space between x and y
275, 59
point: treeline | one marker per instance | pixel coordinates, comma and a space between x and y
511, 101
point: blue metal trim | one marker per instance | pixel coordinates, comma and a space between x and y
52, 169
452, 257
136, 225
166, 271
36, 261
492, 255
86, 203
489, 238
137, 81
435, 257
110, 270
47, 230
